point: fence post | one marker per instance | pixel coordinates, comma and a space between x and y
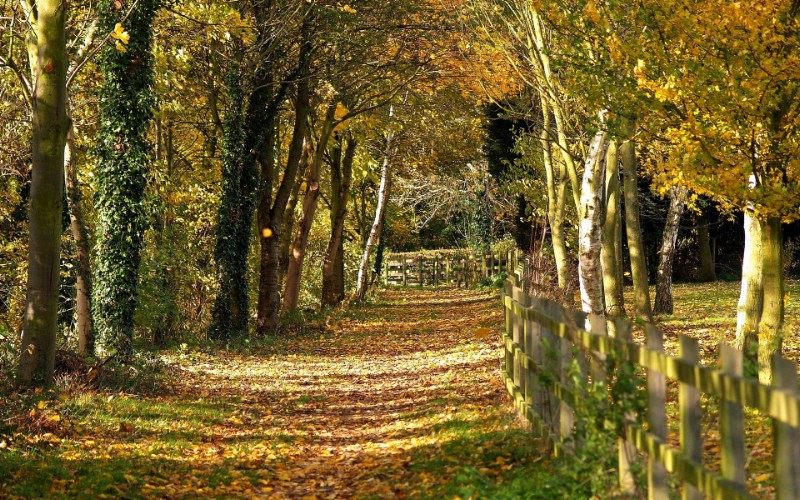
566, 414
657, 487
507, 288
534, 349
405, 272
518, 333
731, 421
421, 271
552, 363
436, 270
597, 324
786, 437
626, 452
690, 415
386, 267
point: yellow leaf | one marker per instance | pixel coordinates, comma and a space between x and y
483, 333
54, 418
120, 47
763, 478
40, 405
119, 33
349, 9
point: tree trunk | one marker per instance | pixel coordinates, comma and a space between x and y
48, 58
271, 213
751, 296
770, 339
542, 56
333, 289
707, 264
761, 301
677, 202
229, 313
590, 228
556, 198
126, 104
298, 252
288, 214
375, 231
633, 228
612, 284
83, 285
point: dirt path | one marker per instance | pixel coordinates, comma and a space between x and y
400, 398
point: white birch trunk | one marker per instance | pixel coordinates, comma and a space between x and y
590, 228
375, 231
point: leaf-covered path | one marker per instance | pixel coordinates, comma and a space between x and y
398, 398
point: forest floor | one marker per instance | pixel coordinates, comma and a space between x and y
398, 398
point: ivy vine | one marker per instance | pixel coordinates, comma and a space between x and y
126, 103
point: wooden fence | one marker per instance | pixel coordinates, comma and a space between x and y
543, 340
446, 267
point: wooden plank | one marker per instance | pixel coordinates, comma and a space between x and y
596, 324
657, 487
731, 422
786, 437
405, 272
626, 451
517, 334
565, 411
690, 416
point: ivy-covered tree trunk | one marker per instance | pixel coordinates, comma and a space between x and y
229, 313
612, 274
633, 228
333, 286
48, 59
126, 108
83, 283
310, 201
677, 202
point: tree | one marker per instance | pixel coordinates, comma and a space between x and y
48, 63
342, 158
726, 100
123, 156
677, 202
384, 191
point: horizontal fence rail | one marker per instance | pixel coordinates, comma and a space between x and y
544, 341
445, 267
